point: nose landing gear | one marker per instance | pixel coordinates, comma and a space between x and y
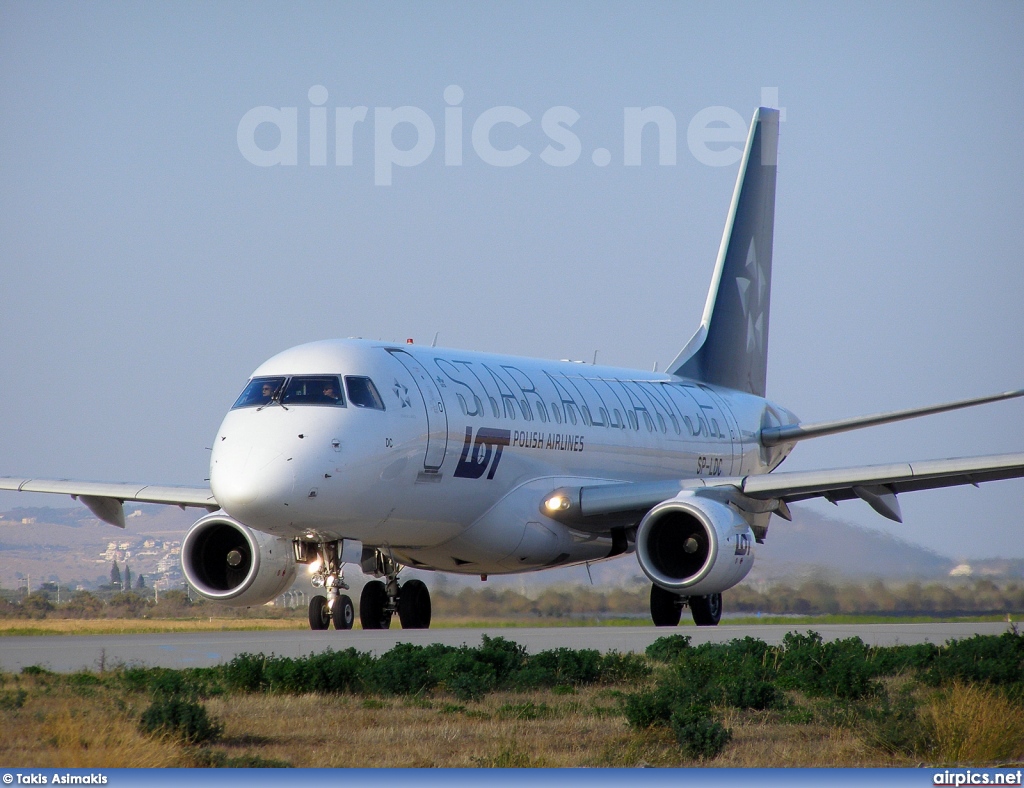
335, 607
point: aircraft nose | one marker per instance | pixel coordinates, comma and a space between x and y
252, 483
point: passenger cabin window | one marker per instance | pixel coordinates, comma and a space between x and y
313, 390
259, 392
362, 393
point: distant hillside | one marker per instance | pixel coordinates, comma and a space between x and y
72, 545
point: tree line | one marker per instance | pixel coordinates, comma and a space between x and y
809, 597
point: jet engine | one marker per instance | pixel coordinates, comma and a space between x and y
694, 546
226, 561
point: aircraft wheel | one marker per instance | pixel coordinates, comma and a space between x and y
342, 613
707, 610
319, 613
414, 605
666, 609
372, 604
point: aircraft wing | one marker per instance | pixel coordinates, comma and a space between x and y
878, 485
104, 499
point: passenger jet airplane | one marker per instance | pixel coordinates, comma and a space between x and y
390, 456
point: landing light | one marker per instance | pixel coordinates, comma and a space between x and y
314, 566
557, 503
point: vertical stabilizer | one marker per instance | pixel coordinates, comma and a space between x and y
730, 347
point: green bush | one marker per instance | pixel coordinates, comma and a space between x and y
404, 670
647, 709
616, 667
178, 717
893, 660
752, 694
840, 669
672, 693
668, 649
465, 675
191, 682
409, 669
982, 658
506, 657
335, 671
700, 735
566, 666
246, 672
327, 672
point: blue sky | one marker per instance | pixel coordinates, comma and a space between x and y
149, 267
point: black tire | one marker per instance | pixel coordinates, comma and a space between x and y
414, 605
343, 614
372, 604
666, 607
319, 613
706, 610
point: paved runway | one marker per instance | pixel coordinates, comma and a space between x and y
67, 653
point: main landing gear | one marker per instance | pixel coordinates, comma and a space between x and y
667, 608
380, 600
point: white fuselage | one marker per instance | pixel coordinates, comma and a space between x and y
452, 473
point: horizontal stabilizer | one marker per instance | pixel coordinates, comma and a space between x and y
773, 436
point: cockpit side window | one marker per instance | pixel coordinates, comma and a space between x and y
259, 392
313, 390
362, 393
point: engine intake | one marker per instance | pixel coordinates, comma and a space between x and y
226, 561
694, 546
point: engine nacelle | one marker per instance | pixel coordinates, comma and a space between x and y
694, 546
231, 563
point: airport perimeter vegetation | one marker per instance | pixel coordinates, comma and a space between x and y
803, 702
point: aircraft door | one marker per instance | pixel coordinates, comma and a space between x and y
437, 417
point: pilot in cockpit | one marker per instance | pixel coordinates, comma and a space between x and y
330, 394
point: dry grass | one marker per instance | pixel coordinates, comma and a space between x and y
87, 731
975, 725
97, 726
504, 730
49, 723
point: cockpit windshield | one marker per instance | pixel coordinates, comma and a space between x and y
313, 390
259, 392
297, 390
